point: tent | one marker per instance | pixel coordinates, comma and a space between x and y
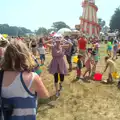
64, 31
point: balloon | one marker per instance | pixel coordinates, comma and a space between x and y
75, 59
109, 43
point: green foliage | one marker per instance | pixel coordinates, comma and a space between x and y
13, 30
55, 27
101, 22
58, 25
42, 31
115, 20
51, 29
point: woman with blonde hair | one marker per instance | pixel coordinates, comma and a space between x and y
20, 85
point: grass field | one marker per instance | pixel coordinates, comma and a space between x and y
79, 100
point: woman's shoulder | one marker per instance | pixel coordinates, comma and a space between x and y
29, 73
27, 76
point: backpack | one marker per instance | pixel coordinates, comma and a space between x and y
6, 109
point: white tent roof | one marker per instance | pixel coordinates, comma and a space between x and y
63, 31
57, 35
111, 34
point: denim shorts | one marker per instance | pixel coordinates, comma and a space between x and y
42, 57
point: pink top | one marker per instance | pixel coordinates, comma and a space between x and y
88, 63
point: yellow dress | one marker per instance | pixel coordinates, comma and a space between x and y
112, 66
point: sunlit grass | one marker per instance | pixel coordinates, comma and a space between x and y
81, 101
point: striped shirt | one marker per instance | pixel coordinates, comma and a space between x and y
19, 95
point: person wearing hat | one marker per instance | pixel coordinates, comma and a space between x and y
58, 66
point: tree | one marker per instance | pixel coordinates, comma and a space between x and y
101, 22
42, 31
50, 30
13, 30
58, 25
115, 20
105, 29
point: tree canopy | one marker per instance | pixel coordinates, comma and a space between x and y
21, 31
55, 27
42, 31
58, 25
13, 30
101, 22
115, 20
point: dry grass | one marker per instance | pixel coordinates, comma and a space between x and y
81, 101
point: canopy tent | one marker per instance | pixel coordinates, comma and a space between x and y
111, 34
57, 35
64, 31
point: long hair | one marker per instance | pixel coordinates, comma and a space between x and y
17, 57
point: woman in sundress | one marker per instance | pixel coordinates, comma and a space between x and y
58, 66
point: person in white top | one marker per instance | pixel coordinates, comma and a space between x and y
41, 50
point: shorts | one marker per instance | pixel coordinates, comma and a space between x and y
42, 57
69, 59
82, 52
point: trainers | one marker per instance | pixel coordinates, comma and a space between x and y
57, 94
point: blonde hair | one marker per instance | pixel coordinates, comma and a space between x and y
17, 57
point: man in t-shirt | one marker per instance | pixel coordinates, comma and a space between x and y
82, 44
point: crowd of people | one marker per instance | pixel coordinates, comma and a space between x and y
22, 82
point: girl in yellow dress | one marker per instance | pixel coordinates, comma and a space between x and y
112, 69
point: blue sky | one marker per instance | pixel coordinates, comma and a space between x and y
33, 14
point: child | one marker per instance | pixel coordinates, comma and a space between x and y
95, 55
79, 67
109, 49
115, 49
88, 65
41, 50
112, 68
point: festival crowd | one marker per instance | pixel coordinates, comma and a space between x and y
20, 76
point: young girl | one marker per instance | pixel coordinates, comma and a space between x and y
88, 65
79, 67
41, 50
112, 69
115, 49
96, 56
